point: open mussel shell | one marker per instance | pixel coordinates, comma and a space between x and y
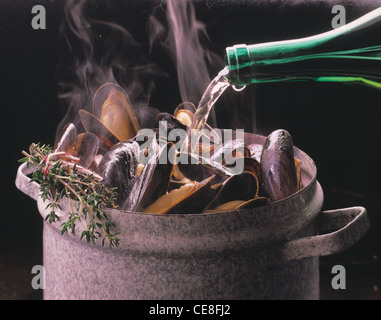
239, 165
235, 205
167, 122
86, 147
112, 107
189, 198
66, 138
118, 168
243, 187
177, 177
93, 125
96, 161
277, 166
235, 155
170, 121
188, 106
152, 182
184, 113
83, 146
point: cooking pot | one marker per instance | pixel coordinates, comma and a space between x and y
270, 252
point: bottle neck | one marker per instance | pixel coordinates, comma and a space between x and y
240, 65
345, 51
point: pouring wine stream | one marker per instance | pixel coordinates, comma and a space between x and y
215, 89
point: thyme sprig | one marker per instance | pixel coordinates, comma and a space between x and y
59, 175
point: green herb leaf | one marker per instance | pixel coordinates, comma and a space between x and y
59, 181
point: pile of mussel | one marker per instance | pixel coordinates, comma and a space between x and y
109, 147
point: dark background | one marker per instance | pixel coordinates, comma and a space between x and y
337, 125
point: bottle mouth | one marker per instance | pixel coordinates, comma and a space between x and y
238, 62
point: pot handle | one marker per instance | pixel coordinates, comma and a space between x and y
24, 183
350, 225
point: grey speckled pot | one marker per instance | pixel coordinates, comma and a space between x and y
271, 252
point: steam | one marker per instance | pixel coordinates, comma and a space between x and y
183, 39
98, 52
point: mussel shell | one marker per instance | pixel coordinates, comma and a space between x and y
118, 168
86, 147
188, 106
198, 200
112, 107
245, 164
171, 122
185, 117
277, 166
237, 156
193, 201
83, 146
241, 152
196, 168
66, 138
235, 205
298, 168
255, 203
184, 113
95, 163
243, 187
93, 125
152, 182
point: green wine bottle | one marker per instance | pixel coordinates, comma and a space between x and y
351, 53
